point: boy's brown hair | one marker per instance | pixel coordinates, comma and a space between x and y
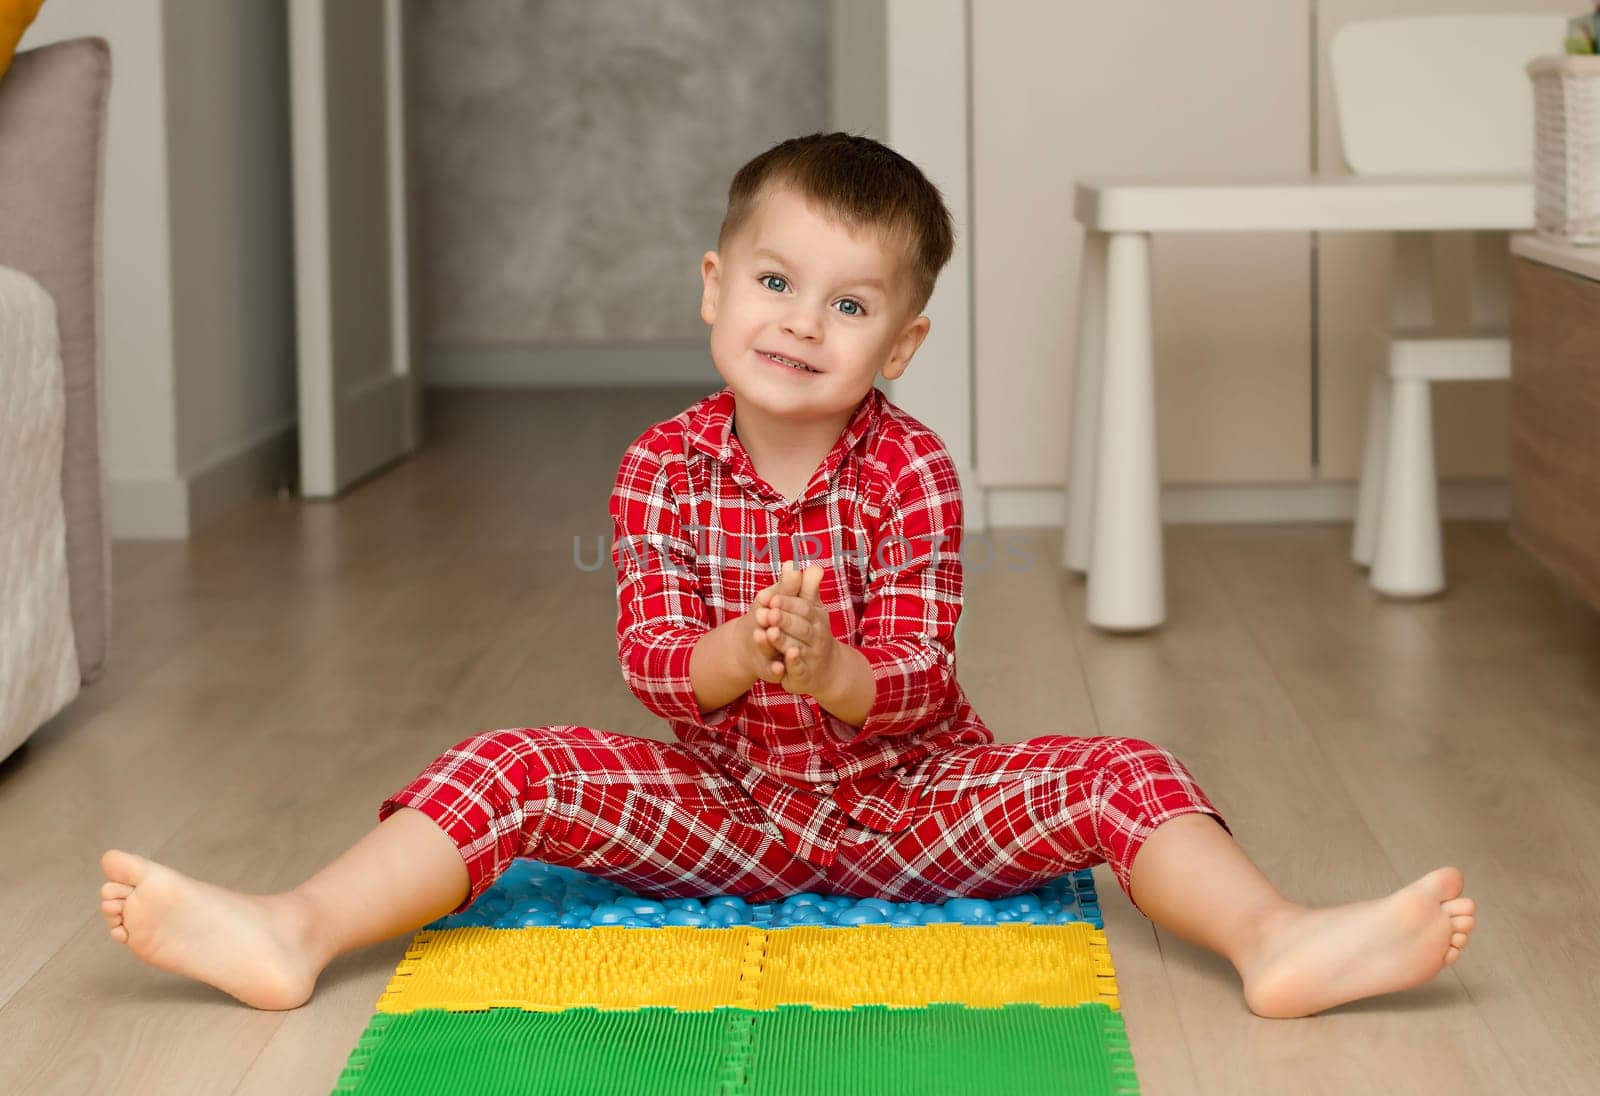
862, 183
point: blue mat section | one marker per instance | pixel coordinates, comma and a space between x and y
531, 893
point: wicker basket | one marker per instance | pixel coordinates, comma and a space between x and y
1566, 147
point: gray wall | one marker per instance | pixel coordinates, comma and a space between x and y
232, 226
571, 165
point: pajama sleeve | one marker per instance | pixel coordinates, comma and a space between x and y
661, 613
914, 598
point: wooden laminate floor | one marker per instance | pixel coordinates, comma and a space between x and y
273, 678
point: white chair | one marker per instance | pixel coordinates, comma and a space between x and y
1435, 115
1420, 97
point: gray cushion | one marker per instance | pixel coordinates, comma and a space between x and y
52, 157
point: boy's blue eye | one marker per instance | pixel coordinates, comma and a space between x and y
765, 279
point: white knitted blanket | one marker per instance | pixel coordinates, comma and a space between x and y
38, 658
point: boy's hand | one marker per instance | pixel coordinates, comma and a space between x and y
797, 627
765, 659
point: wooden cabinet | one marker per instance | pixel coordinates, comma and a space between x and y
1555, 410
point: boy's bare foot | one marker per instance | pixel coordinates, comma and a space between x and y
1312, 959
255, 947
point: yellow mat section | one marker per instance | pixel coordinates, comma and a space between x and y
549, 969
698, 969
976, 965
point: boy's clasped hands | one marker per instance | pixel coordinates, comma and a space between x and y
793, 643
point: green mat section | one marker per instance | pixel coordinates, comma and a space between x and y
792, 1049
942, 1048
511, 1051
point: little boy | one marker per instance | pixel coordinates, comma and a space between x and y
822, 740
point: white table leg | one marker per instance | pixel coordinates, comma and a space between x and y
1407, 557
1079, 501
1126, 590
1409, 561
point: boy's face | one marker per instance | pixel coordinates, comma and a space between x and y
796, 284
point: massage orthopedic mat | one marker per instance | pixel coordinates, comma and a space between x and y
560, 982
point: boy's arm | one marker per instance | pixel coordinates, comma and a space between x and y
715, 671
661, 611
902, 674
849, 698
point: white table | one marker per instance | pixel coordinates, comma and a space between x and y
1113, 531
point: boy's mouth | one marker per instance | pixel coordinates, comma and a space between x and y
788, 363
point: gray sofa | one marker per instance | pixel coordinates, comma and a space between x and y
55, 557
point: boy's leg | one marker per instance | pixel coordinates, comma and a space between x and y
355, 901
651, 814
654, 816
1004, 818
268, 949
996, 819
1193, 879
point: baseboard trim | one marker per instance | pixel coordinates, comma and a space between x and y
254, 468
176, 508
1459, 500
148, 509
564, 365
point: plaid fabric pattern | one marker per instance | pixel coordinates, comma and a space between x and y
771, 794
697, 533
662, 818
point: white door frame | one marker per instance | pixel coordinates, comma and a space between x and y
928, 119
346, 433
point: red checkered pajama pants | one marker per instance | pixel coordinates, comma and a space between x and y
993, 820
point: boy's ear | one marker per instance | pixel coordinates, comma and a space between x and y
906, 346
711, 280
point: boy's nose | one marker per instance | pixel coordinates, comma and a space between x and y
802, 322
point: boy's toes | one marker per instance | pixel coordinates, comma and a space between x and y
110, 890
1463, 922
1445, 884
112, 912
1451, 955
1460, 906
124, 867
1458, 941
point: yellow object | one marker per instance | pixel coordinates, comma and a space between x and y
548, 969
983, 966
15, 15
699, 969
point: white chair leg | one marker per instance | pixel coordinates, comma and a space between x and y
1079, 501
1126, 591
1408, 560
1374, 449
